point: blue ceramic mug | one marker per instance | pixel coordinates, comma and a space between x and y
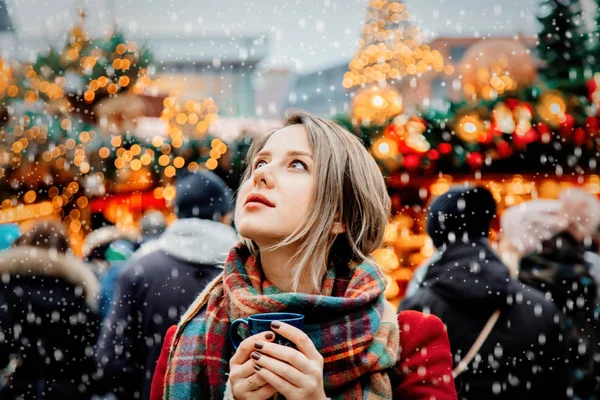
261, 323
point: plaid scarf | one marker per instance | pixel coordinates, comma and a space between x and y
349, 321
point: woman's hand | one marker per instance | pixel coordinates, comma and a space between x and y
245, 383
296, 374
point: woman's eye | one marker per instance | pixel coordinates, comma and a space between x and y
259, 163
298, 164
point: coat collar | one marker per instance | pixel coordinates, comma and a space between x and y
26, 260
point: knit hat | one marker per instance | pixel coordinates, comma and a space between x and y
529, 224
8, 234
462, 213
582, 211
202, 195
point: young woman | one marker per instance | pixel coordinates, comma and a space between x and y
311, 208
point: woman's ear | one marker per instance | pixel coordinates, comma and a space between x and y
337, 228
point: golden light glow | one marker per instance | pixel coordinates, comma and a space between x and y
116, 141
25, 212
164, 160
136, 165
170, 171
169, 193
375, 105
29, 197
491, 68
211, 163
390, 46
387, 259
469, 126
385, 148
552, 108
178, 162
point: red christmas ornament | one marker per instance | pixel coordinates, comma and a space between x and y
391, 132
412, 161
591, 124
519, 141
512, 103
567, 125
503, 148
403, 148
530, 136
486, 137
592, 86
433, 154
445, 148
475, 160
495, 130
529, 106
579, 137
542, 128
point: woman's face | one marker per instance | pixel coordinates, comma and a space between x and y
274, 201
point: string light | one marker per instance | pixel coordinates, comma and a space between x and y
390, 47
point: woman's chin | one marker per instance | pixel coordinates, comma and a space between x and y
259, 235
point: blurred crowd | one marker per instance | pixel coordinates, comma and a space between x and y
93, 327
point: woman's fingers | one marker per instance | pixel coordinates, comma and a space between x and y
280, 368
242, 354
244, 371
286, 354
265, 392
278, 383
299, 338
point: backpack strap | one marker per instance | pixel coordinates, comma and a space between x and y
485, 332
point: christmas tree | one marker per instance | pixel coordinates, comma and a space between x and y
562, 44
390, 47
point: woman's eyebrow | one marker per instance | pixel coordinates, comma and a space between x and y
289, 153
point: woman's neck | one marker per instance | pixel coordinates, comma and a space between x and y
281, 275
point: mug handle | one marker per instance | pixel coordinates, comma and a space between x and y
233, 332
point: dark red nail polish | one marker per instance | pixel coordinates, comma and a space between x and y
275, 324
255, 356
257, 367
270, 336
259, 345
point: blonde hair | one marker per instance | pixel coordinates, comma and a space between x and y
349, 189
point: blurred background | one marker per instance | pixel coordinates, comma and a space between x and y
104, 104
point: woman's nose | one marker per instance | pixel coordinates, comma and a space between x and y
263, 176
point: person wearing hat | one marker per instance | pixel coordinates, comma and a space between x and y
545, 240
468, 287
156, 287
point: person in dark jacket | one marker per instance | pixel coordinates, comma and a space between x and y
549, 236
48, 322
156, 288
523, 356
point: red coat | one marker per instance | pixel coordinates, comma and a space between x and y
425, 360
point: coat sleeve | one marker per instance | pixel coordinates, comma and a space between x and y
424, 370
158, 379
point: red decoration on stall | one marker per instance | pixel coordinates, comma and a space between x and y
392, 132
579, 137
412, 161
475, 160
544, 131
591, 123
504, 149
512, 103
566, 126
445, 148
486, 137
433, 154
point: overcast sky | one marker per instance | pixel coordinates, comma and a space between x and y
304, 34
